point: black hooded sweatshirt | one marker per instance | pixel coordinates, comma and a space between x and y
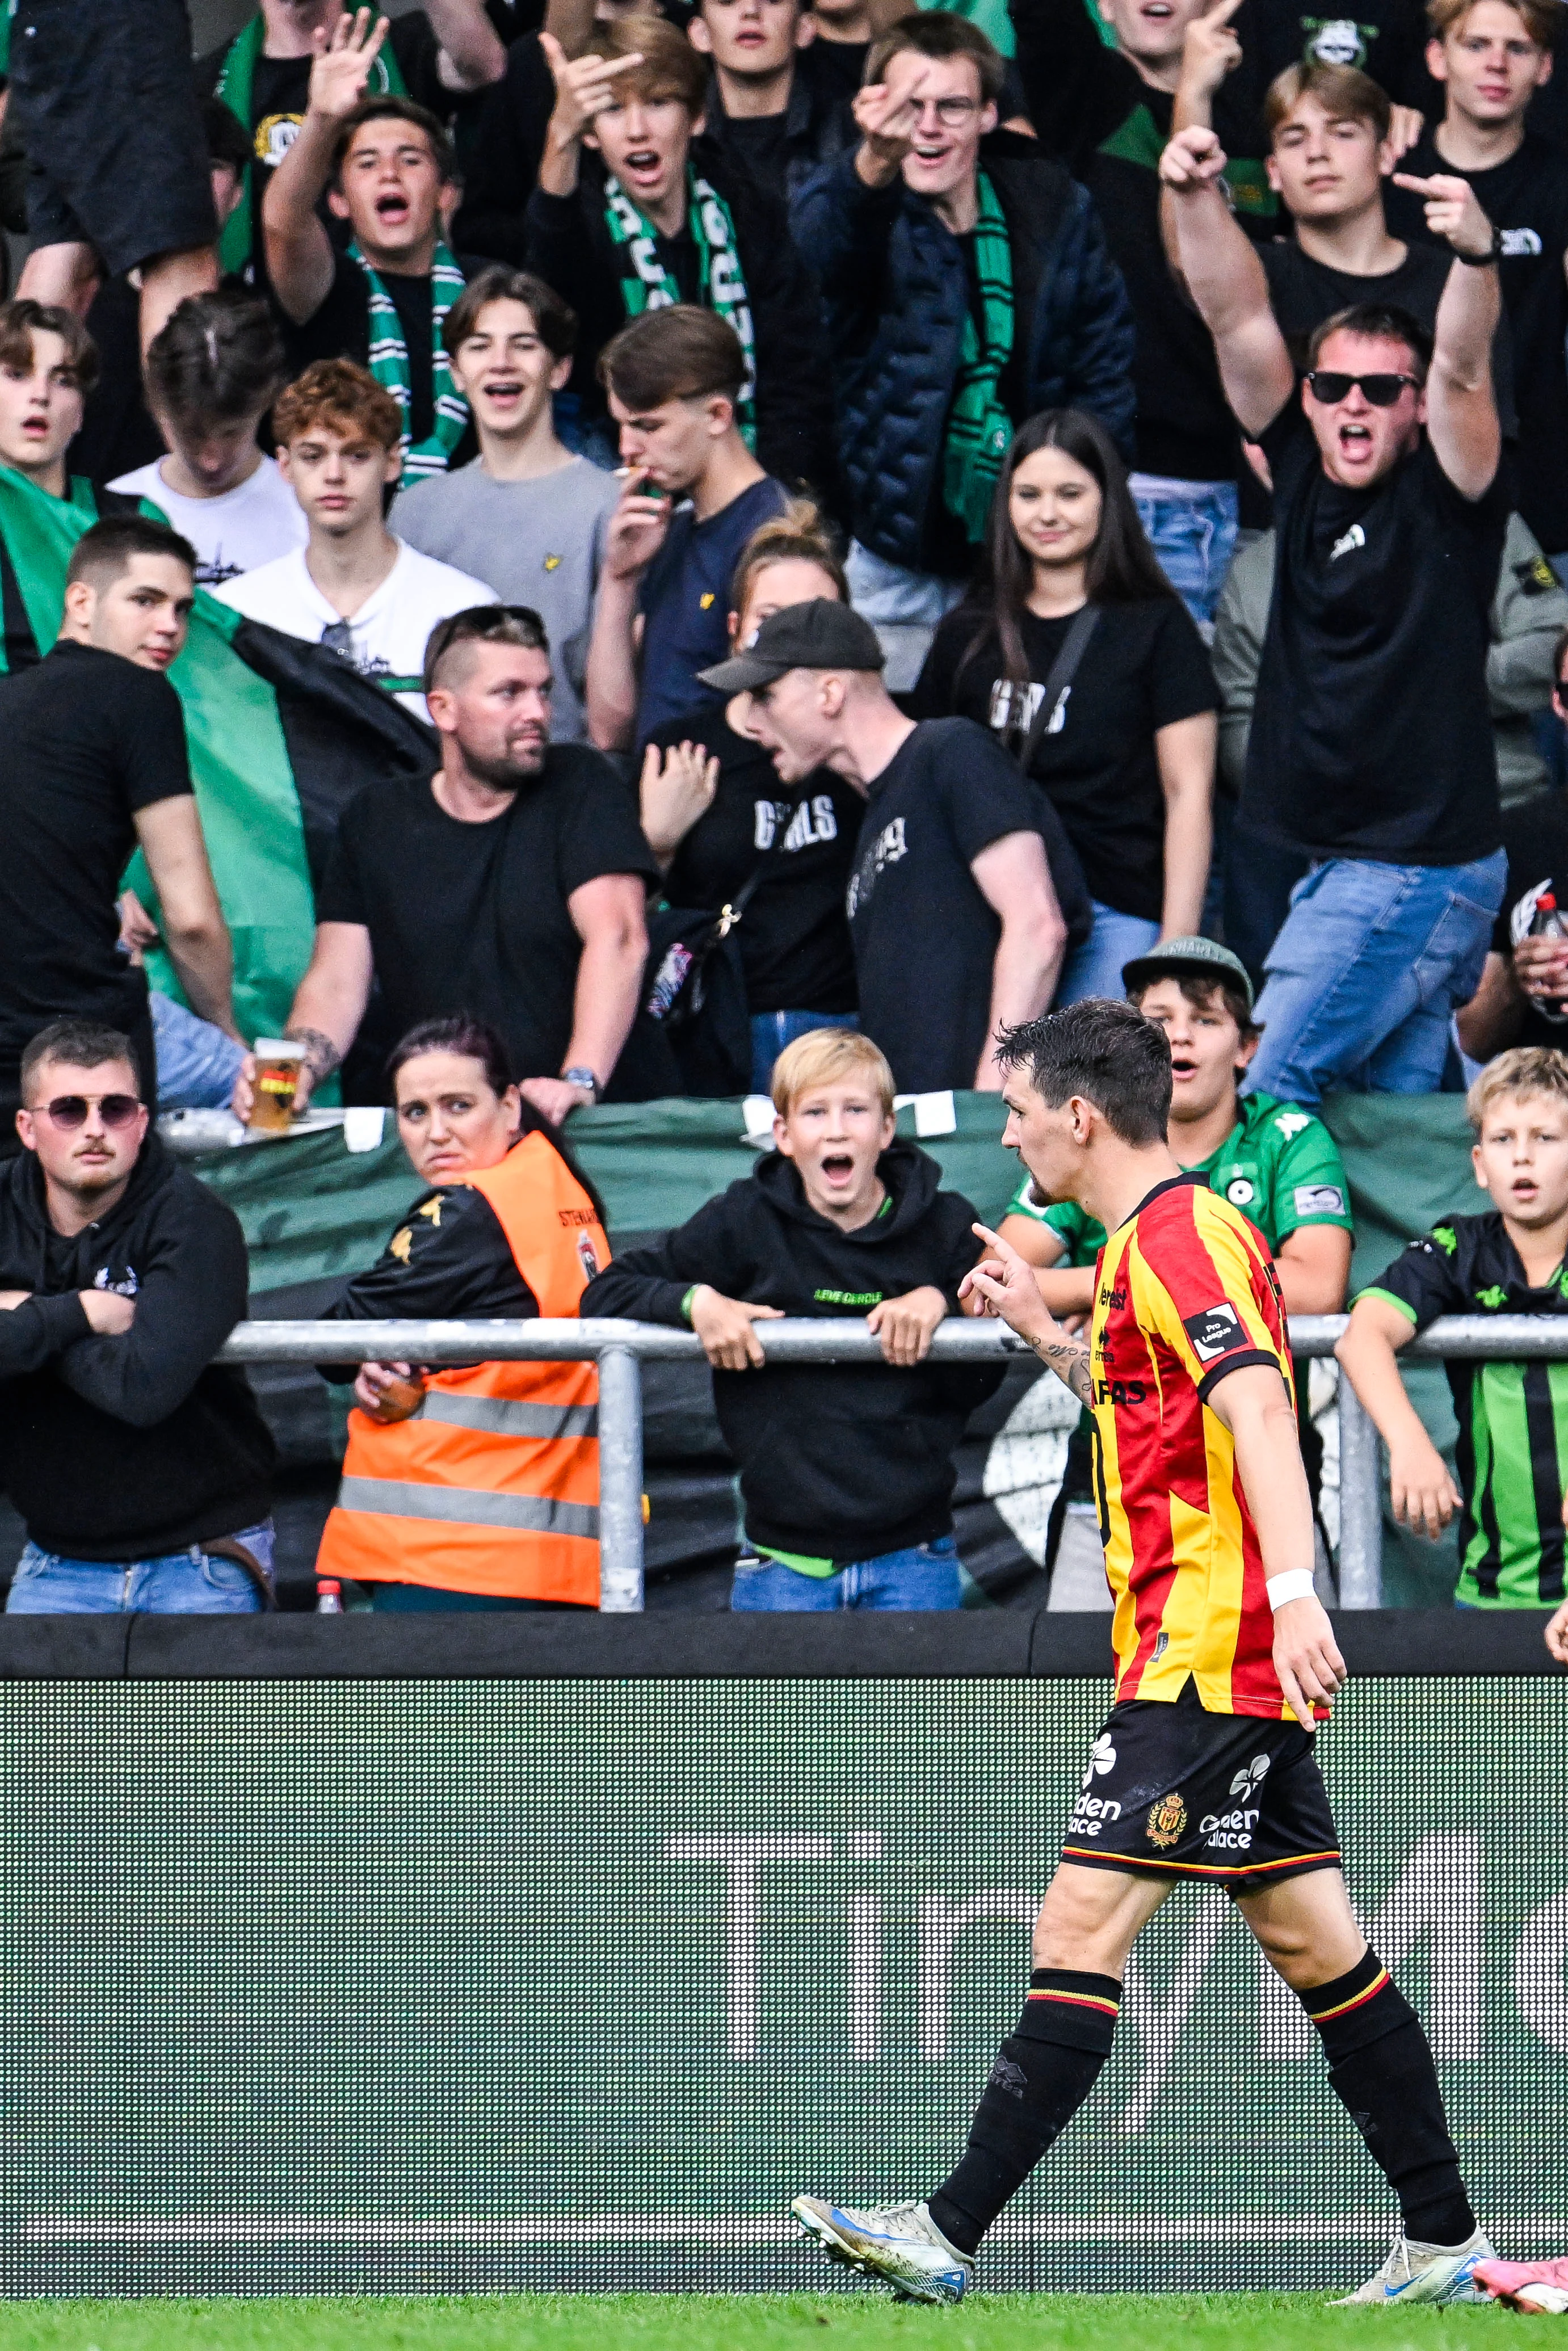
841, 1462
129, 1447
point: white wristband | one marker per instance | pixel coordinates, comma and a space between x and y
1296, 1585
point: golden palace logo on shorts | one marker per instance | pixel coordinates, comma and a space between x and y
1167, 1821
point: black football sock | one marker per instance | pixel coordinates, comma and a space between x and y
1042, 2076
1381, 2068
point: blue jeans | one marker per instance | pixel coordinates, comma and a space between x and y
925, 1576
1363, 980
180, 1583
1095, 968
771, 1032
903, 606
1191, 525
197, 1064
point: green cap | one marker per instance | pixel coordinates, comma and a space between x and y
1175, 958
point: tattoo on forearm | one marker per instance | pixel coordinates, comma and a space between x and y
1069, 1359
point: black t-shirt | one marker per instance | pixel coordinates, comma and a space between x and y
89, 740
841, 62
1372, 735
339, 328
472, 917
925, 936
1384, 38
794, 937
1305, 292
1535, 835
1527, 199
1145, 667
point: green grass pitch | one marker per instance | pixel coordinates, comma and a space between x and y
860, 2321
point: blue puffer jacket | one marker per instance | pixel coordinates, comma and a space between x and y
895, 288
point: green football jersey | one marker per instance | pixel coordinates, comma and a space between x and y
1280, 1165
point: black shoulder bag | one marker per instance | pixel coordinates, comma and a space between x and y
1054, 692
693, 1017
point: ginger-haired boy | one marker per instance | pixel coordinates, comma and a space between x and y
1512, 1416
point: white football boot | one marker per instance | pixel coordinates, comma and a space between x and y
898, 2245
1416, 2272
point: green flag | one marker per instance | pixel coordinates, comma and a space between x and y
281, 736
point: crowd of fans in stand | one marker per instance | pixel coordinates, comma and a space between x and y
895, 519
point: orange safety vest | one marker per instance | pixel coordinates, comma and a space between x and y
493, 1485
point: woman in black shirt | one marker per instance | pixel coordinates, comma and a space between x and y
713, 810
1127, 753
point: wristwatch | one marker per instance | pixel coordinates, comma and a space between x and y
579, 1077
1484, 260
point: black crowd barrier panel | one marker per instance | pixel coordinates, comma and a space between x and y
469, 1954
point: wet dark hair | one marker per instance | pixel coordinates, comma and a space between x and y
465, 1033
1104, 1051
1121, 568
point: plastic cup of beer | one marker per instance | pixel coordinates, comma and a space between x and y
278, 1061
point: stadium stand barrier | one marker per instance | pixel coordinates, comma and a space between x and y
622, 1348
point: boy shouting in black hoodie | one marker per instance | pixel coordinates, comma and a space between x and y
846, 1473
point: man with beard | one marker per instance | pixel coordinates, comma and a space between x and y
511, 886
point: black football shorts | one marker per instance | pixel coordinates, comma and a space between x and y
1171, 1791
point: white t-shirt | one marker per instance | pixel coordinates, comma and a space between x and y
231, 534
386, 637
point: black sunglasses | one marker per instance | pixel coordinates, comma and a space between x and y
1381, 390
71, 1110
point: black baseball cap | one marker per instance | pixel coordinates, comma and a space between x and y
1181, 959
822, 634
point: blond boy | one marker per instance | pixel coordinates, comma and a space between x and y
846, 1476
1512, 1416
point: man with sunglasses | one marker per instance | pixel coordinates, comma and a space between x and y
1371, 752
142, 1470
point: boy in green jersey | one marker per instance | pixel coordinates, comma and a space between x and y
1512, 1448
1280, 1165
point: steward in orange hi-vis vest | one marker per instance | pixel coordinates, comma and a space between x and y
1185, 1293
492, 1486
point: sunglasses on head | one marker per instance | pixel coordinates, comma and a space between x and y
71, 1110
1381, 390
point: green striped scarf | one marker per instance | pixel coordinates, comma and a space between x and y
646, 284
389, 364
235, 87
978, 426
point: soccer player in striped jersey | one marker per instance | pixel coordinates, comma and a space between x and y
1225, 1660
1512, 1416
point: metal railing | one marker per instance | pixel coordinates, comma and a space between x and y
621, 1349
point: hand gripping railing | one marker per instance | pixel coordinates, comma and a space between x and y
621, 1349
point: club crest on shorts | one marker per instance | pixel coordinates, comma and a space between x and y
1167, 1820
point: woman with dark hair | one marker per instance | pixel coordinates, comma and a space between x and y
508, 1229
1126, 751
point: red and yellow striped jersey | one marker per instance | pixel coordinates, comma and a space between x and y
1185, 1292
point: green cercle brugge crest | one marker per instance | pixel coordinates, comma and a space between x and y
1336, 41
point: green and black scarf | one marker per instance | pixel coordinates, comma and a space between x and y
646, 284
978, 427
